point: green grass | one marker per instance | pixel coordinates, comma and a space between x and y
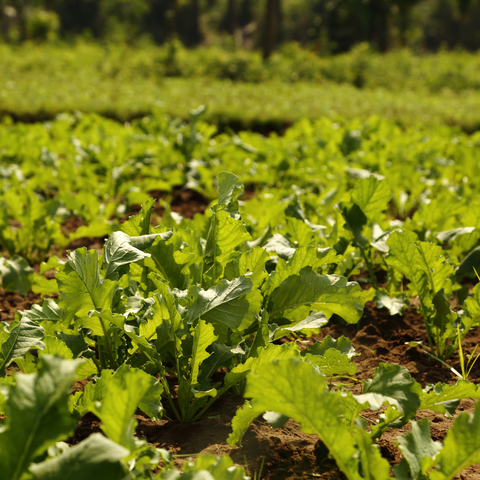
37, 83
269, 105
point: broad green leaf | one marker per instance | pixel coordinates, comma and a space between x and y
280, 245
151, 402
419, 449
252, 262
220, 358
461, 447
169, 313
93, 392
230, 187
243, 418
5, 383
119, 250
298, 390
471, 261
119, 322
225, 235
221, 468
395, 305
87, 369
176, 475
342, 344
81, 287
308, 256
390, 417
295, 211
96, 229
126, 389
300, 232
37, 414
299, 294
264, 356
449, 235
372, 196
76, 343
43, 286
444, 399
373, 466
27, 364
472, 305
149, 322
92, 323
52, 262
226, 303
17, 275
392, 384
442, 323
96, 458
206, 467
23, 337
203, 337
312, 324
355, 221
422, 263
49, 311
56, 348
274, 419
140, 223
169, 257
4, 331
332, 357
332, 362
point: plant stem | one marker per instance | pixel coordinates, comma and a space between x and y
460, 353
107, 342
373, 278
100, 354
169, 395
211, 402
354, 416
442, 362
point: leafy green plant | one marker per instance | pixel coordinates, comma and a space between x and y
37, 230
466, 368
297, 389
180, 307
38, 420
425, 265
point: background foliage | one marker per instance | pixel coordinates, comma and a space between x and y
325, 26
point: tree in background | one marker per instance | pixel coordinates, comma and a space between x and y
272, 27
326, 26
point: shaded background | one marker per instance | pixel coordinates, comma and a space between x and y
324, 26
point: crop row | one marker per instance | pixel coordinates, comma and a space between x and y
169, 303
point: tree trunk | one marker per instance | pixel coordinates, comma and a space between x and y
229, 22
172, 15
245, 17
196, 34
272, 27
21, 6
403, 21
379, 32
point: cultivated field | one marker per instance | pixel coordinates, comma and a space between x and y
290, 306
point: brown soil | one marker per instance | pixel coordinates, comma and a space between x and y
10, 302
287, 452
